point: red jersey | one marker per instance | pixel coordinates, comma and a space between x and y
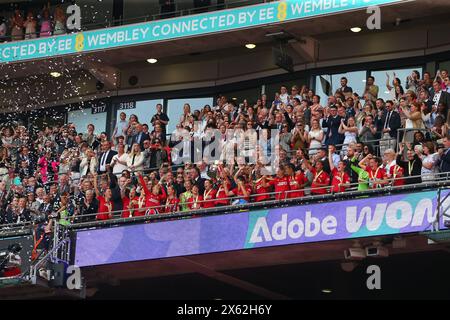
396, 173
378, 174
281, 185
339, 178
261, 191
297, 183
195, 202
207, 197
127, 211
140, 205
221, 196
321, 178
239, 193
172, 205
152, 200
103, 210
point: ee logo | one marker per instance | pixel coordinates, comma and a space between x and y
79, 42
282, 11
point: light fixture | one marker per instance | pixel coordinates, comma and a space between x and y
55, 74
327, 291
250, 46
355, 29
152, 60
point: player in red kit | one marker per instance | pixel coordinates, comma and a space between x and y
396, 173
196, 201
377, 175
172, 201
297, 182
340, 180
321, 179
154, 199
280, 184
209, 195
261, 189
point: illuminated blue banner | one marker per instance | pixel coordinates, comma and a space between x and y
193, 25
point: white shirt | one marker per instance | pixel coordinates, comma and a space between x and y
284, 98
121, 126
118, 167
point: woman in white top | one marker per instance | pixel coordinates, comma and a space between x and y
89, 163
350, 131
314, 137
119, 161
430, 161
30, 26
7, 137
389, 160
135, 161
186, 117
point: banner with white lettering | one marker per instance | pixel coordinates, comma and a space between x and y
364, 217
179, 27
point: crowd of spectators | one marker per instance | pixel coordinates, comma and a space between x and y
31, 24
350, 141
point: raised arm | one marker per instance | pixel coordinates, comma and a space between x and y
143, 184
97, 192
362, 163
388, 82
330, 160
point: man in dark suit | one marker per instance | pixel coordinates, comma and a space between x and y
198, 180
445, 156
105, 157
23, 213
65, 141
332, 122
27, 156
440, 96
391, 122
140, 136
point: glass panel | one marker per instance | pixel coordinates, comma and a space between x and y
81, 119
444, 65
144, 111
175, 109
252, 95
356, 80
402, 74
273, 88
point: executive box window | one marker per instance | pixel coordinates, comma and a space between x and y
402, 74
327, 85
81, 119
144, 110
175, 109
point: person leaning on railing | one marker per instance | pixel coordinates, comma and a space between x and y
412, 165
105, 206
340, 179
377, 175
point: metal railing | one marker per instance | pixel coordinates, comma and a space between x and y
442, 179
60, 252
